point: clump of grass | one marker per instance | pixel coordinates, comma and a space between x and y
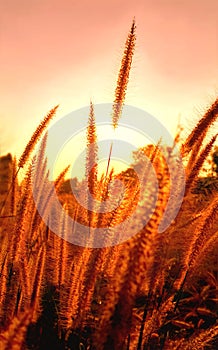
154, 291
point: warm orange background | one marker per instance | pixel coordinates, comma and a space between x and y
65, 52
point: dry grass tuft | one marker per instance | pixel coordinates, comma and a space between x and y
153, 291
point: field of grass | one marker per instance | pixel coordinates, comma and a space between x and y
156, 290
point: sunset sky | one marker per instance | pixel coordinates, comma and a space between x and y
66, 52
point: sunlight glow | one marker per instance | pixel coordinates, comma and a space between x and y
121, 137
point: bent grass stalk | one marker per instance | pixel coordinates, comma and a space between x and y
122, 82
29, 148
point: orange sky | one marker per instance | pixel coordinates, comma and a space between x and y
67, 51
